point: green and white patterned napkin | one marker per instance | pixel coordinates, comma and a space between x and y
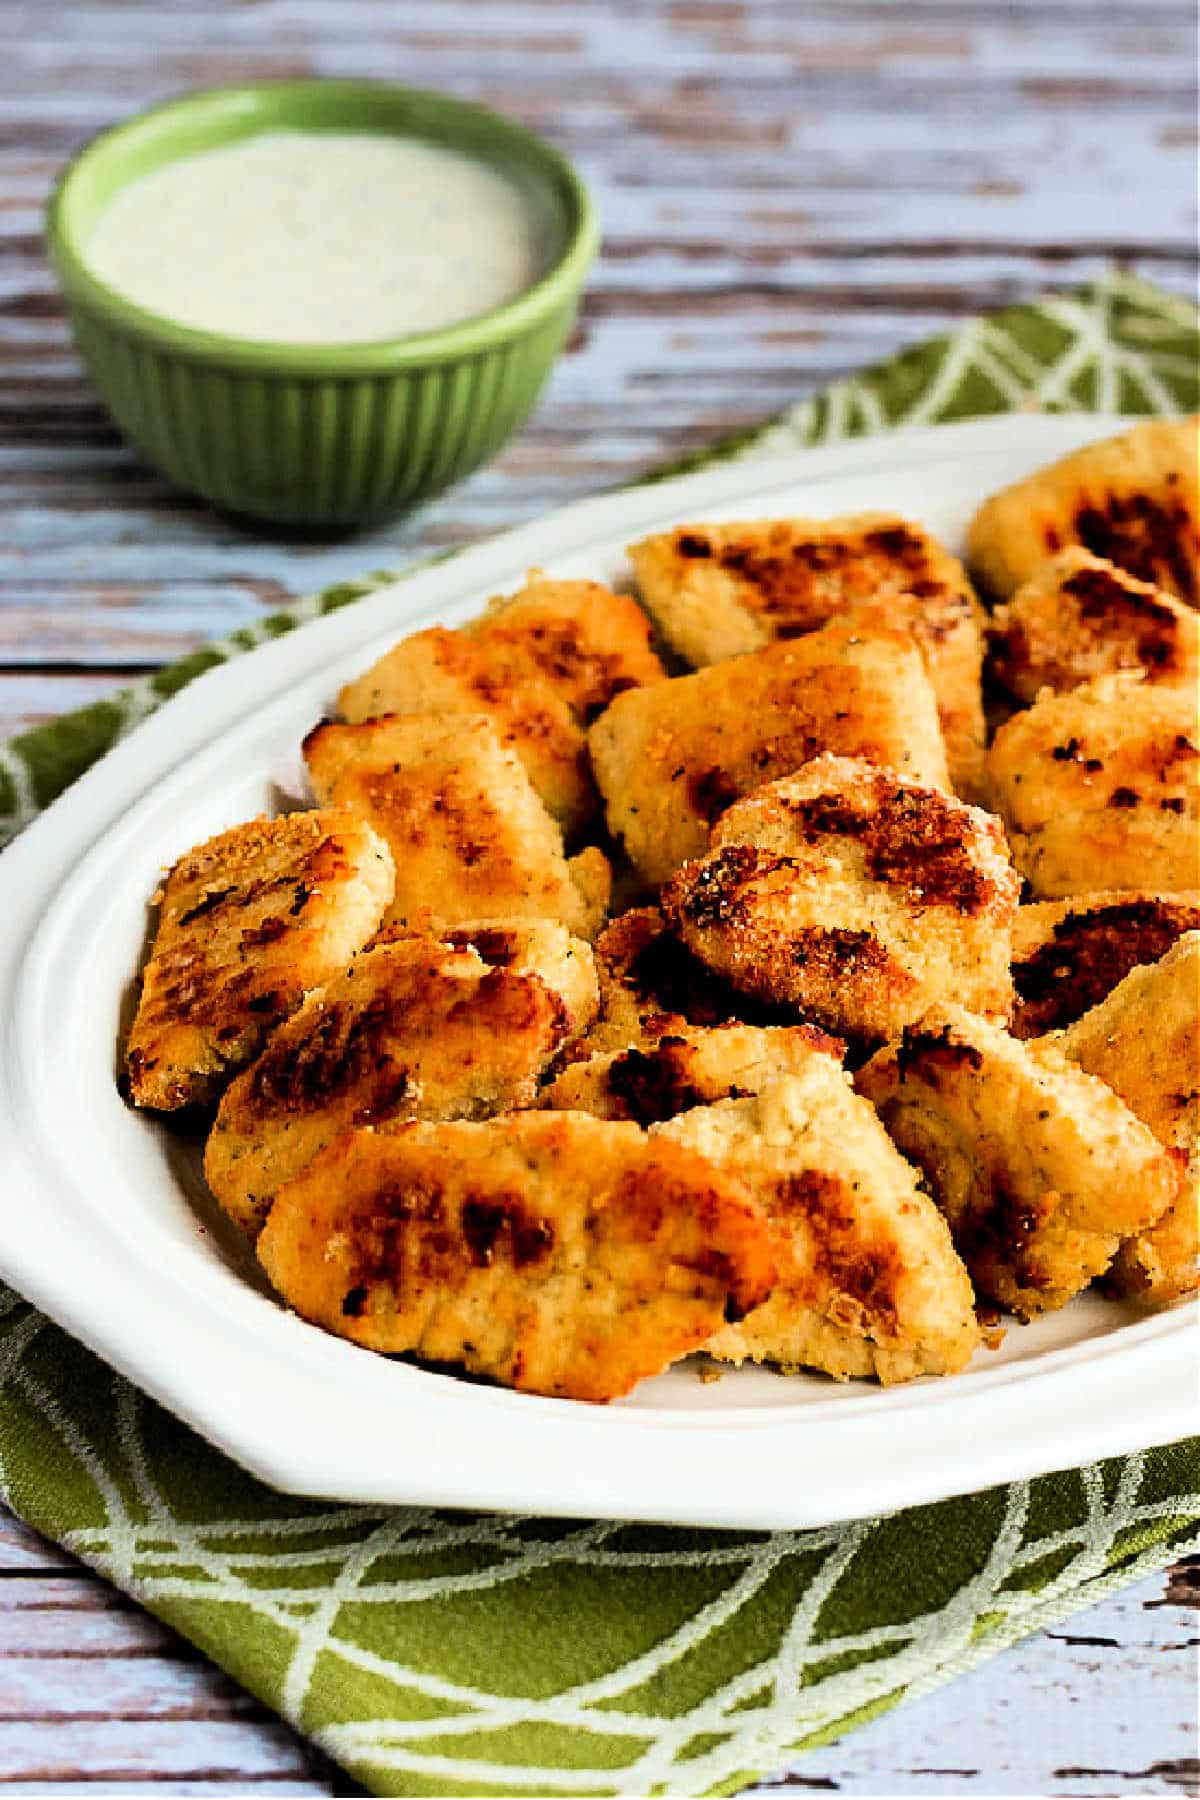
438, 1653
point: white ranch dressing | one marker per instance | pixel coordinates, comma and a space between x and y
319, 237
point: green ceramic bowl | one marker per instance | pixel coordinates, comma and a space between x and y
321, 435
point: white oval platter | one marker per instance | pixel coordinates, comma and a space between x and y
103, 1226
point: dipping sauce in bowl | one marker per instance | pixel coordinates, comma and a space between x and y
320, 237
320, 302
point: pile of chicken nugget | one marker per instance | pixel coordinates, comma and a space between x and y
798, 963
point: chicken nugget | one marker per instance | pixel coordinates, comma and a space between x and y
249, 922
589, 643
1068, 954
1080, 616
690, 1068
1144, 1042
854, 896
448, 673
414, 1029
1099, 788
1131, 498
868, 1280
1039, 1168
670, 759
540, 665
557, 1253
469, 837
723, 590
651, 987
537, 947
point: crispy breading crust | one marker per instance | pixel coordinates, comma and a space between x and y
249, 922
447, 672
1068, 954
541, 665
1144, 1041
560, 1254
854, 896
587, 641
670, 759
948, 631
691, 1068
537, 947
469, 837
1099, 788
651, 987
1039, 1168
868, 1280
1080, 616
415, 1029
723, 590
1133, 499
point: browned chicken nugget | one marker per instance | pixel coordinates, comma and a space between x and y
540, 665
1080, 616
249, 922
723, 590
413, 1030
692, 1068
855, 896
588, 642
537, 947
1131, 498
557, 1253
1099, 788
1039, 1168
469, 837
1068, 954
670, 759
947, 629
651, 987
868, 1280
1144, 1042
448, 672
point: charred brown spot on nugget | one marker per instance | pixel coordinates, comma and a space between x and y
492, 943
1104, 598
671, 986
690, 543
783, 579
715, 893
712, 791
865, 1270
656, 1084
504, 1225
269, 932
1004, 1232
830, 951
1088, 953
930, 1051
914, 839
1140, 534
337, 1054
214, 898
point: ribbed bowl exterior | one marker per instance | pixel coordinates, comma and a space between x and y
318, 451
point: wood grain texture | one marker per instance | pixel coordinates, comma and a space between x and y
788, 190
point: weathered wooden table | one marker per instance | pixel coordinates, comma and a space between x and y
790, 188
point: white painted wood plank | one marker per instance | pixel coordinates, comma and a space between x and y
63, 1688
116, 1749
1103, 1705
